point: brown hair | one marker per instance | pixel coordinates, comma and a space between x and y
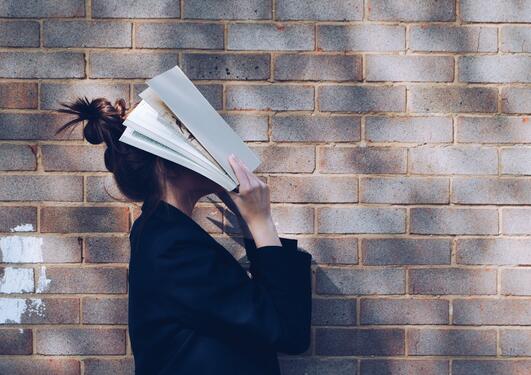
139, 175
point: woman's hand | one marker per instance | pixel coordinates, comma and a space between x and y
225, 198
253, 204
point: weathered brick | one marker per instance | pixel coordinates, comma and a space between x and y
54, 93
101, 366
404, 190
72, 158
359, 342
39, 311
403, 251
32, 249
335, 250
490, 367
315, 128
425, 341
299, 67
293, 219
365, 160
516, 100
32, 365
16, 280
403, 367
409, 129
130, 64
41, 188
285, 158
506, 68
136, 9
362, 98
410, 68
499, 129
361, 220
491, 190
452, 99
68, 33
15, 157
340, 10
404, 311
226, 66
516, 282
18, 95
313, 366
107, 250
348, 281
84, 219
516, 221
228, 9
442, 38
495, 11
491, 311
103, 310
452, 281
368, 37
80, 341
407, 10
446, 220
19, 34
35, 126
515, 39
333, 312
15, 341
42, 9
453, 160
515, 342
18, 219
499, 251
179, 35
82, 280
276, 97
248, 127
42, 65
270, 37
103, 189
213, 93
306, 189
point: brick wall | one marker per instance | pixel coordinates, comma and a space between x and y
395, 140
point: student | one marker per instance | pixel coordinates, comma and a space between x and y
193, 309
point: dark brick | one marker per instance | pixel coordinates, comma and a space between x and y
490, 367
447, 342
362, 160
299, 67
32, 365
83, 280
80, 341
362, 98
227, 9
199, 66
15, 157
84, 219
39, 311
101, 366
333, 312
404, 367
15, 341
130, 64
403, 251
491, 311
179, 35
87, 34
35, 126
335, 250
42, 65
136, 9
42, 8
102, 310
315, 128
316, 10
452, 281
41, 188
17, 95
18, 219
403, 311
344, 281
19, 33
107, 250
52, 94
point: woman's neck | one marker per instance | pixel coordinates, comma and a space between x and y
182, 199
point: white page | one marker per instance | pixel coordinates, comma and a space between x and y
148, 122
138, 140
202, 120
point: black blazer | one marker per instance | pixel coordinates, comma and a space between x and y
193, 309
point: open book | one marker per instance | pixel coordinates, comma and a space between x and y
175, 121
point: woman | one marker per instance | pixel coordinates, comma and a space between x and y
193, 309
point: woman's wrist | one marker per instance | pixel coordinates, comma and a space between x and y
264, 232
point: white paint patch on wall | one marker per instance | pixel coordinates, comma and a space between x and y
23, 228
16, 280
21, 249
43, 281
13, 309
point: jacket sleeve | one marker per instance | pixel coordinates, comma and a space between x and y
216, 296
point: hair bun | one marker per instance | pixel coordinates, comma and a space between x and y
104, 121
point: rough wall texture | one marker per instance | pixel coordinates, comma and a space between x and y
395, 140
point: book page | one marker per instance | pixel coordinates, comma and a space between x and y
156, 103
202, 120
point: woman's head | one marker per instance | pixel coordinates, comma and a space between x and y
139, 175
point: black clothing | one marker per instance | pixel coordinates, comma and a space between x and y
193, 309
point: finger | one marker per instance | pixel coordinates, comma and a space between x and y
243, 179
253, 179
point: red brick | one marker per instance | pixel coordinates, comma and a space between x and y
19, 95
44, 366
73, 158
491, 311
107, 249
39, 311
103, 310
